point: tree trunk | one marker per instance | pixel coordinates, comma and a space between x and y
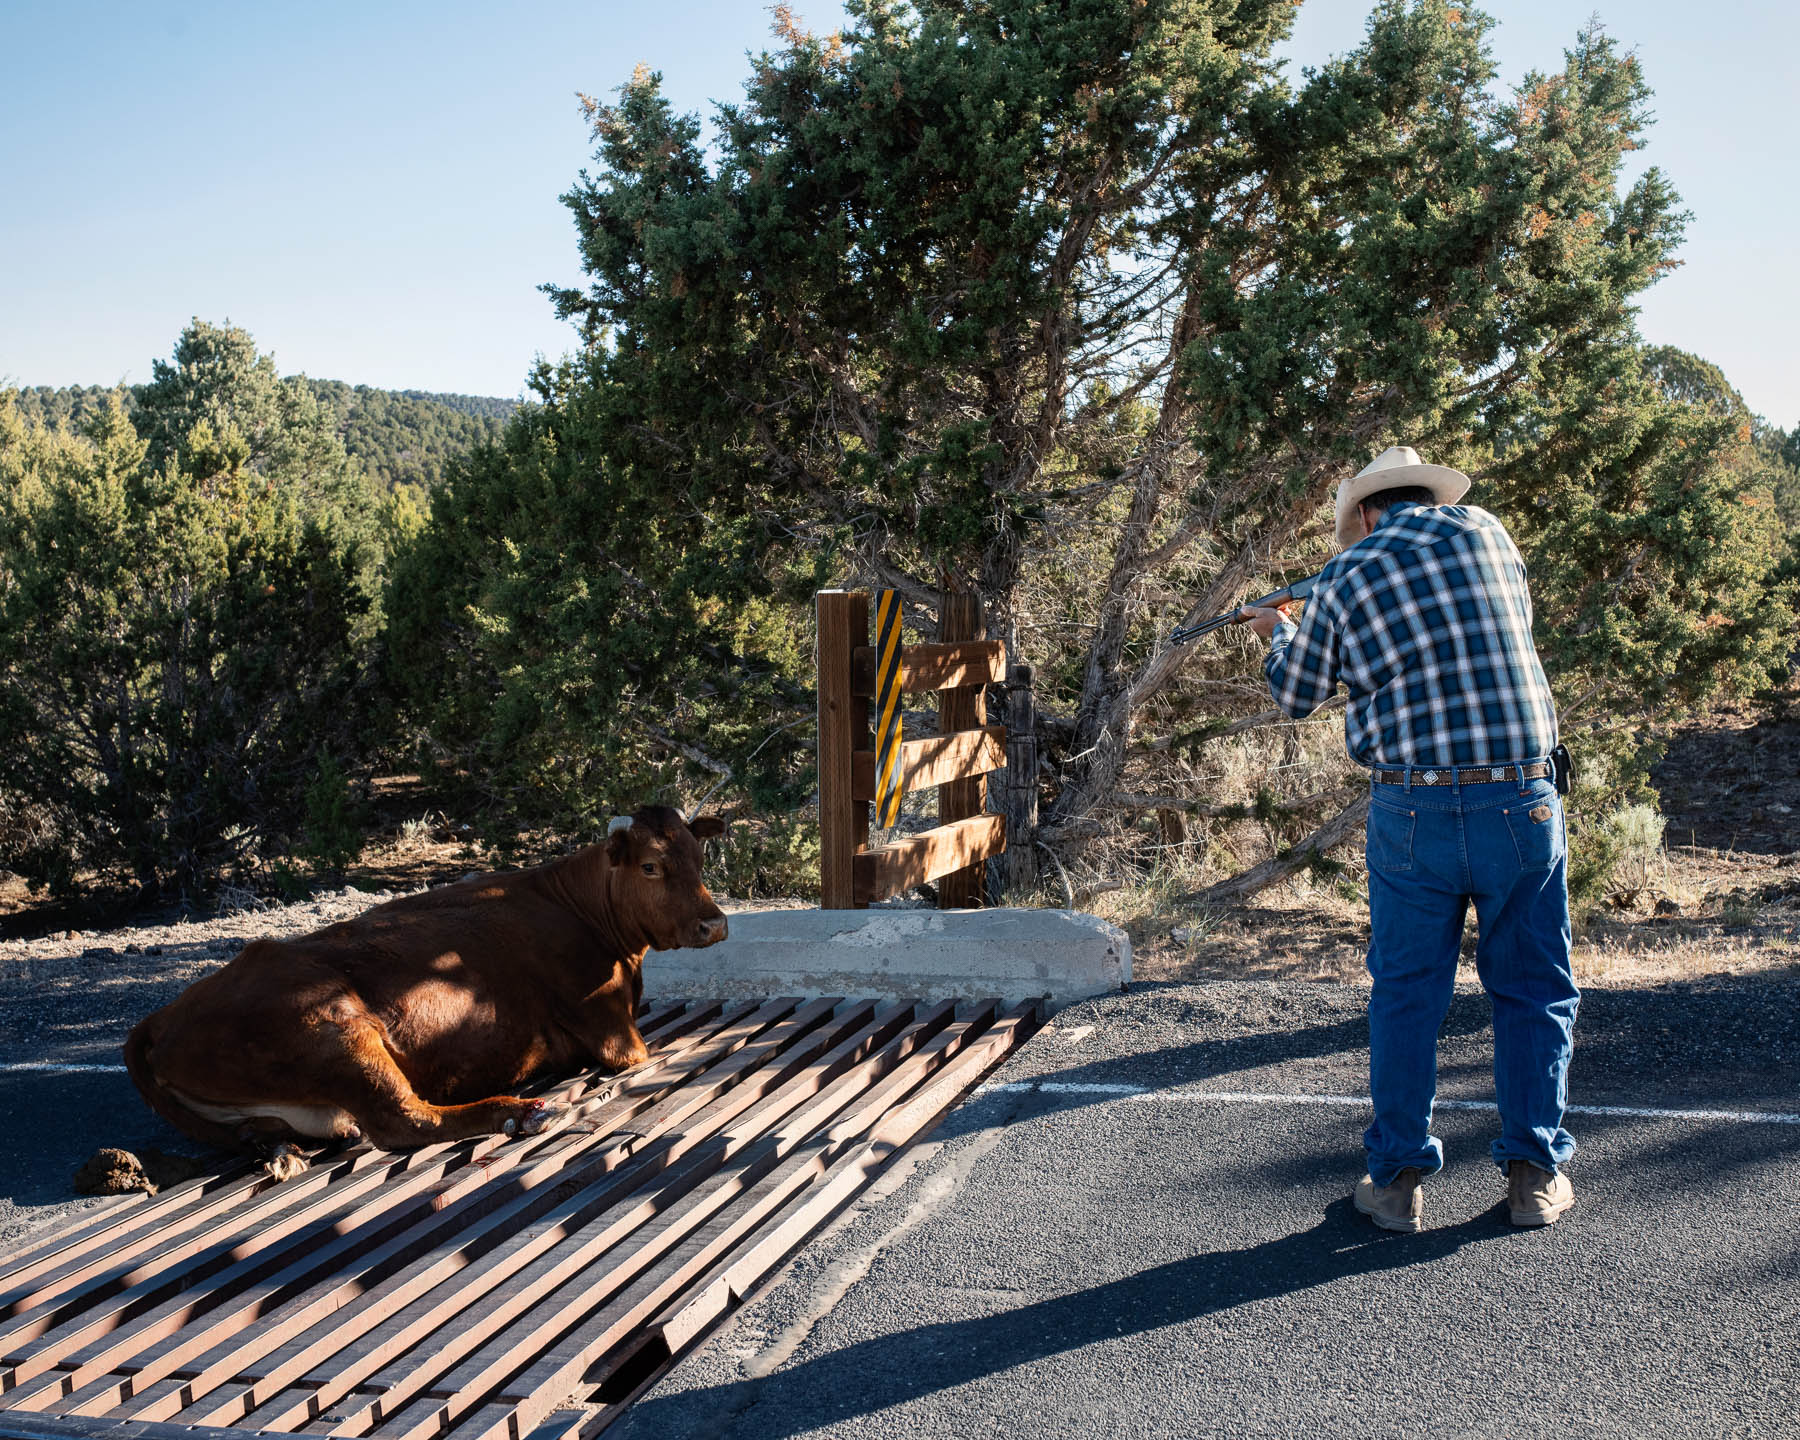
1110, 703
1343, 826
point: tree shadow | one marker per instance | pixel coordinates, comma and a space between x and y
1731, 1153
894, 1369
1719, 1042
70, 1117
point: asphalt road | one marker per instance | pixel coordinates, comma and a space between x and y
76, 1012
1116, 1255
1137, 1261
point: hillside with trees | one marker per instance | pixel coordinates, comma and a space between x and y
399, 437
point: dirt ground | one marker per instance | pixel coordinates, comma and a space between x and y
1734, 913
1725, 901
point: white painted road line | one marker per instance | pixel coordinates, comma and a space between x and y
1361, 1102
1146, 1092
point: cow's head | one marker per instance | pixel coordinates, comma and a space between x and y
657, 888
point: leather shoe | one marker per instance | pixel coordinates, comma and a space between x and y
1393, 1207
1534, 1196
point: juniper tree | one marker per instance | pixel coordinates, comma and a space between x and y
1095, 291
217, 376
181, 638
575, 624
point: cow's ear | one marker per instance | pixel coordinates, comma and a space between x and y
618, 839
707, 827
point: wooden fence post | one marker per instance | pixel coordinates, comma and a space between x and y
843, 730
850, 673
1019, 790
964, 708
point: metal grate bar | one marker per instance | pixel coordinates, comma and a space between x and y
495, 1288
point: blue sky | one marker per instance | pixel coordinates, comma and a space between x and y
371, 188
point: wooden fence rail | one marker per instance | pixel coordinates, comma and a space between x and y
956, 760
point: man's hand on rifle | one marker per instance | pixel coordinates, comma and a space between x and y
1264, 618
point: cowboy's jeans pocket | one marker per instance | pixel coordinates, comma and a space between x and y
1390, 839
1535, 823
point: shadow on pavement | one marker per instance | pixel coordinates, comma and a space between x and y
89, 1111
1728, 1152
894, 1369
1713, 1043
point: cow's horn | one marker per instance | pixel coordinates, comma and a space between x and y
618, 823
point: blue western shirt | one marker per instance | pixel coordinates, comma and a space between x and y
1427, 622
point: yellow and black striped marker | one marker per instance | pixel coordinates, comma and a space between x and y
887, 709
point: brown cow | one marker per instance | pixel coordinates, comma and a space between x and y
411, 1023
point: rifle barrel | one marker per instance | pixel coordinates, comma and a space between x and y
1299, 590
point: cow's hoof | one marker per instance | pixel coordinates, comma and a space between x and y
284, 1162
533, 1117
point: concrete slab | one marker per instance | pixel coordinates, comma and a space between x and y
931, 954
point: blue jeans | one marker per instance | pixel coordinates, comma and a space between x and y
1431, 850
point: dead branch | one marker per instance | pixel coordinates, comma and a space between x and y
1568, 712
1092, 892
688, 752
1068, 831
1068, 889
1252, 556
920, 597
1237, 727
1299, 805
1334, 832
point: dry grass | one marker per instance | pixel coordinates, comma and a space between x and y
1727, 905
1307, 930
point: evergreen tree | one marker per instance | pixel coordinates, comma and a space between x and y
573, 625
1092, 289
183, 616
217, 379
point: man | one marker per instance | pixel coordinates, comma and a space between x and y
1426, 619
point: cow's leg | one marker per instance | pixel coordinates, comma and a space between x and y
622, 1050
607, 1024
273, 1141
374, 1089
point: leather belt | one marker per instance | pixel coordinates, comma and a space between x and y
1467, 775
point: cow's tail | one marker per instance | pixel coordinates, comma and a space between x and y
138, 1047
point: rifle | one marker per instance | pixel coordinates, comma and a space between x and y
1299, 590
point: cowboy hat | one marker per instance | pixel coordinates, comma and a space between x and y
1397, 466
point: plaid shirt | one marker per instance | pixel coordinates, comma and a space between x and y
1428, 624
